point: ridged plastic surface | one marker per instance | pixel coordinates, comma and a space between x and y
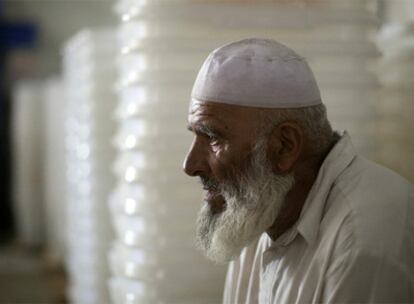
89, 75
27, 162
396, 73
54, 168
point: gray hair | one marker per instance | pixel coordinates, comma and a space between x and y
313, 121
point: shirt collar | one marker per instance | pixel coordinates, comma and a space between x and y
335, 162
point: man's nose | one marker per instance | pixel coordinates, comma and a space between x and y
195, 162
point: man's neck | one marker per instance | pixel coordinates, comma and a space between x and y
292, 207
305, 177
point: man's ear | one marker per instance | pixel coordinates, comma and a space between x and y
285, 146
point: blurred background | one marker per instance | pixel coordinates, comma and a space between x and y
94, 207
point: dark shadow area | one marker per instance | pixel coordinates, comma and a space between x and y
27, 275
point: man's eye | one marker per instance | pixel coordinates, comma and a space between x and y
214, 140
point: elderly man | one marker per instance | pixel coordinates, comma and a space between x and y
298, 214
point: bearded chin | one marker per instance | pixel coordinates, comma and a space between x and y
251, 208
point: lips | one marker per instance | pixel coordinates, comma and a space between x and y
216, 201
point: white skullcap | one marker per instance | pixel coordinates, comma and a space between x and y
256, 73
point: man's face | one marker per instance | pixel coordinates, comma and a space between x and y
224, 138
243, 195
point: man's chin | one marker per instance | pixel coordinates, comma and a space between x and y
222, 258
221, 252
219, 244
215, 202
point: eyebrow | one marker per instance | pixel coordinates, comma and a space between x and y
204, 129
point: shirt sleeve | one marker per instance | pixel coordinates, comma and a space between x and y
365, 277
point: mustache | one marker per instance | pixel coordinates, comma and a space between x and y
209, 184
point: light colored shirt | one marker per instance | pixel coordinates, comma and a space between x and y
353, 242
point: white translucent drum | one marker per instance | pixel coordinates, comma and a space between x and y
396, 74
27, 162
89, 79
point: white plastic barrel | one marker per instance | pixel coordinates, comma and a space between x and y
27, 162
89, 77
396, 73
54, 168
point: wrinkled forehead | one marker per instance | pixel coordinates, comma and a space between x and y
229, 116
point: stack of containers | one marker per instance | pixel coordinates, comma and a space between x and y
27, 162
162, 45
54, 168
155, 204
89, 76
342, 52
396, 73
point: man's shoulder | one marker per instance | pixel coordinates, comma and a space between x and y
366, 180
370, 208
368, 189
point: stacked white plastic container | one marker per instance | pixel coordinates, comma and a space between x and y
341, 49
162, 44
396, 107
27, 162
54, 166
155, 204
89, 76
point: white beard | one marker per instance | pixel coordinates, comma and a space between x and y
252, 205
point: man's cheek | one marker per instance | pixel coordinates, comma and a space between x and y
224, 153
219, 166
